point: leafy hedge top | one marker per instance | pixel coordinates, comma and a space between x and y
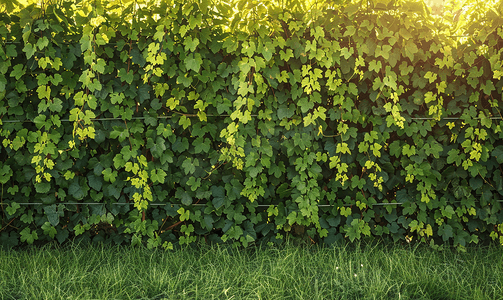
331, 121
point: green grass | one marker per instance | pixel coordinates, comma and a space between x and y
219, 272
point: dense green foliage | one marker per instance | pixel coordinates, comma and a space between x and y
162, 123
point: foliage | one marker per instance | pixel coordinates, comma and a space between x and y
329, 121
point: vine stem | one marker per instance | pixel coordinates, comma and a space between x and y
170, 227
129, 137
7, 224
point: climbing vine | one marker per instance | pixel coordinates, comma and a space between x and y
168, 122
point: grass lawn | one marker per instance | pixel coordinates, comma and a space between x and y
219, 272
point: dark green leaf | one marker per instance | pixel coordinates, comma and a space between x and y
184, 197
95, 182
498, 153
218, 193
52, 214
75, 190
43, 188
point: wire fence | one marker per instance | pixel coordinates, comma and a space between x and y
204, 204
225, 116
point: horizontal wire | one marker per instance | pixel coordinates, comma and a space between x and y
121, 119
455, 118
127, 43
200, 204
221, 116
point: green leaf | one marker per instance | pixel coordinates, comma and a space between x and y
285, 112
193, 61
445, 231
433, 147
94, 182
5, 173
405, 69
350, 31
395, 149
233, 231
208, 221
9, 240
383, 51
159, 34
498, 153
30, 50
345, 211
144, 92
125, 76
375, 65
408, 150
76, 191
158, 175
44, 92
188, 166
488, 87
448, 211
52, 214
56, 105
194, 183
218, 193
430, 76
184, 197
28, 236
109, 175
43, 188
182, 144
201, 145
476, 183
10, 50
119, 132
351, 9
137, 57
12, 208
186, 80
27, 217
249, 48
184, 214
191, 43
116, 98
342, 148
49, 230
410, 50
454, 156
353, 231
347, 52
99, 66
268, 51
305, 104
18, 71
42, 42
62, 235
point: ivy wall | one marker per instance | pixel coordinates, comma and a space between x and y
173, 121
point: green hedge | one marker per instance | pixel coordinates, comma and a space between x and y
130, 122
